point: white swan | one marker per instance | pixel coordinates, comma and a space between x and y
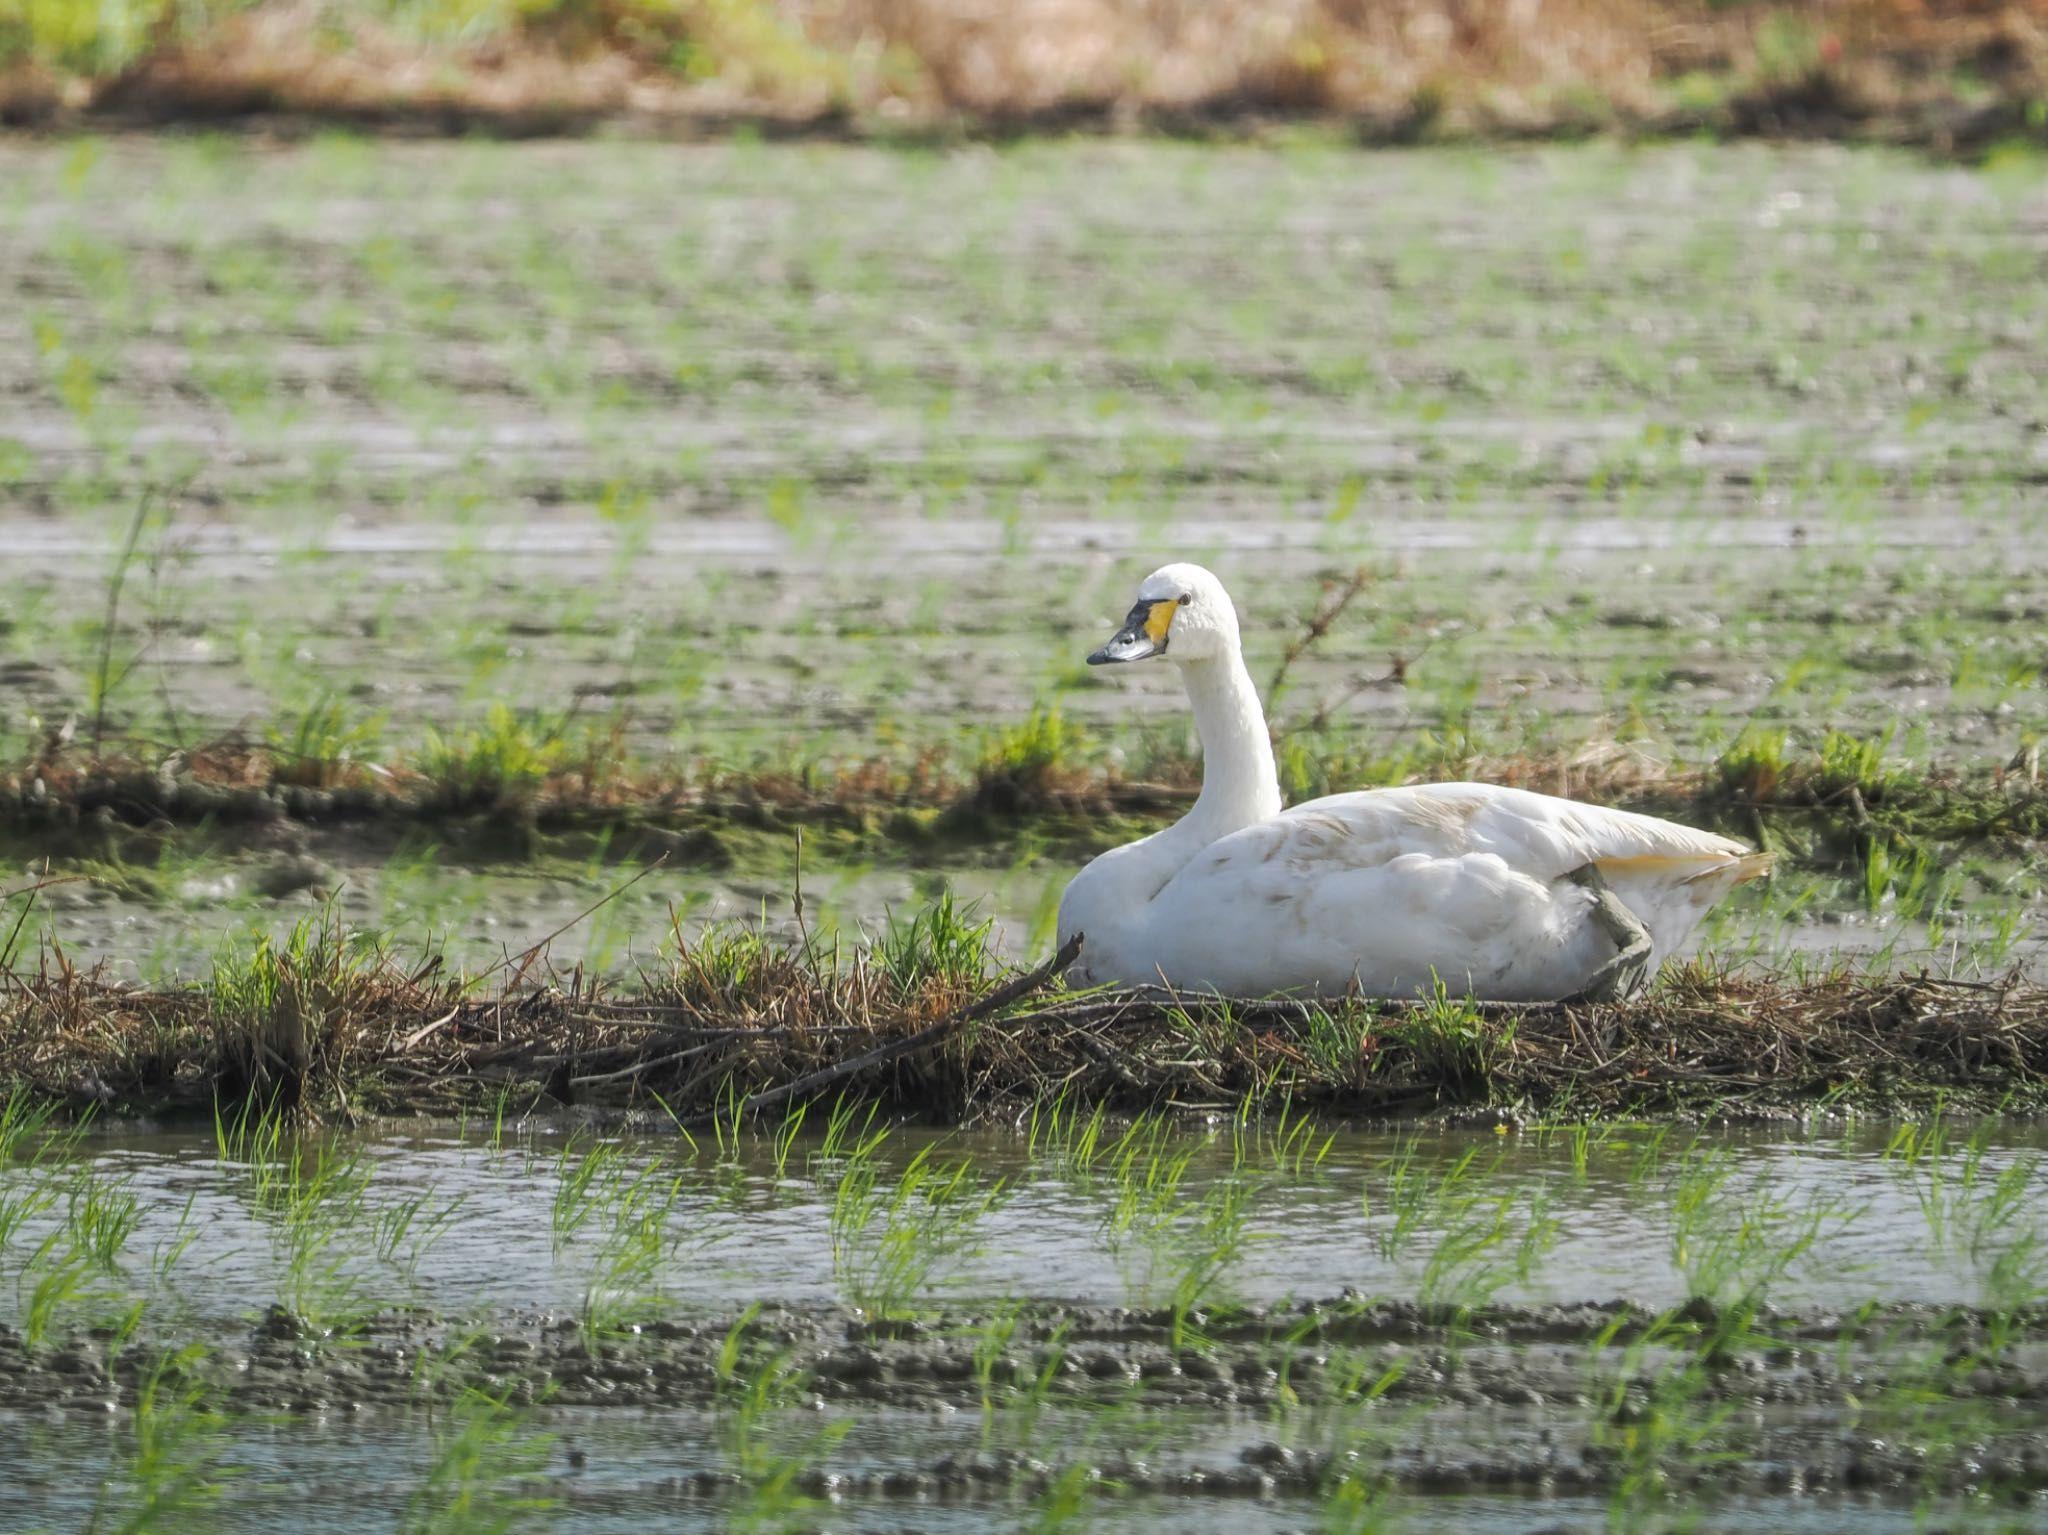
1501, 893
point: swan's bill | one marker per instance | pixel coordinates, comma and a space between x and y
1143, 633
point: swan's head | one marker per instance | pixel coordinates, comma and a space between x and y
1182, 612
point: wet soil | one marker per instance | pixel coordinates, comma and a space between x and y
623, 427
1800, 1403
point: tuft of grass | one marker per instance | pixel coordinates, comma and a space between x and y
172, 1468
755, 1389
632, 1207
1979, 1215
940, 945
1452, 1040
323, 744
29, 1130
1853, 762
499, 765
101, 1215
1657, 1418
1482, 1241
1756, 764
282, 1011
488, 1472
893, 1239
1734, 1241
1031, 767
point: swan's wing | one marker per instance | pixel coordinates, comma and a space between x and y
1669, 875
1533, 834
1541, 835
1462, 881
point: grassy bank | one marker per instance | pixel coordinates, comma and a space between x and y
926, 1021
1951, 73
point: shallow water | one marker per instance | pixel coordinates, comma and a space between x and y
339, 1475
755, 1224
476, 913
742, 1232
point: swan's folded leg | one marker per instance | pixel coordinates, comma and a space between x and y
1629, 971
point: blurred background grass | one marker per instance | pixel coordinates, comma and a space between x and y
1953, 72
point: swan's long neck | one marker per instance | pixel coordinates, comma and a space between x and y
1110, 900
1239, 784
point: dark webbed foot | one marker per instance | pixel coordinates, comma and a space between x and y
1628, 972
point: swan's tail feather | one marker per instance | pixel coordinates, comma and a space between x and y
1671, 892
1748, 867
1685, 868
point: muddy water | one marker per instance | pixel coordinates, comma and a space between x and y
1240, 1421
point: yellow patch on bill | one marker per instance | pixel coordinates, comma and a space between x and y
1157, 620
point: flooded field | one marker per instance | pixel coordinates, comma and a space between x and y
1081, 1321
668, 467
452, 596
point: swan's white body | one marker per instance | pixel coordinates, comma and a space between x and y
1383, 892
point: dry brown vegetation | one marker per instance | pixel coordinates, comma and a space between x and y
1950, 70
